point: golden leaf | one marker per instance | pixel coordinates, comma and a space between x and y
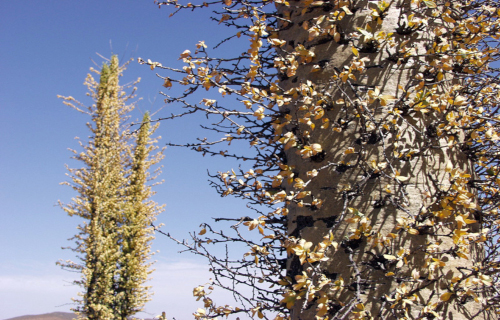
446, 296
355, 51
430, 4
167, 83
349, 150
185, 54
413, 231
336, 37
303, 194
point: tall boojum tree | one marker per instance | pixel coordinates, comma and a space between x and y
113, 199
136, 231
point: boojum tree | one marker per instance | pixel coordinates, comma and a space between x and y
374, 175
136, 226
114, 239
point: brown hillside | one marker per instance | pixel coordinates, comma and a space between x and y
47, 316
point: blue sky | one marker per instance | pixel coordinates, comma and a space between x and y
46, 49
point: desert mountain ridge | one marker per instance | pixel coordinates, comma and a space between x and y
49, 316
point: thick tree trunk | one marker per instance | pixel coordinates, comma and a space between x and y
393, 257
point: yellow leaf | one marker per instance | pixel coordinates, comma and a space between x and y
385, 98
185, 54
459, 101
336, 37
349, 150
413, 231
303, 194
447, 18
316, 147
355, 51
167, 83
276, 42
199, 45
430, 4
446, 296
203, 231
462, 255
400, 178
346, 9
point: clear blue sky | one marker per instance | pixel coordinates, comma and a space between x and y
46, 49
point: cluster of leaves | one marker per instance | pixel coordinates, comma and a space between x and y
375, 167
114, 239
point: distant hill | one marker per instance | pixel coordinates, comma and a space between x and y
47, 316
